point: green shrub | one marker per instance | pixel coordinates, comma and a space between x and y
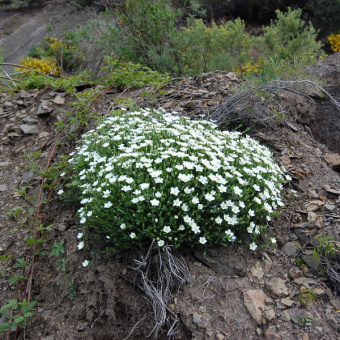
290, 38
150, 175
126, 75
147, 34
220, 47
15, 4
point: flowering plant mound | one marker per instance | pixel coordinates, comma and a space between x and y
151, 175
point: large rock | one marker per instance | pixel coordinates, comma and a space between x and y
255, 301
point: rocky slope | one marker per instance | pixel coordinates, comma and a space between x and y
235, 293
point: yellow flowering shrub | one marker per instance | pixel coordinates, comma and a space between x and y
46, 65
334, 40
252, 66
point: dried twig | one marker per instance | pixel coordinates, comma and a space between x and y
252, 109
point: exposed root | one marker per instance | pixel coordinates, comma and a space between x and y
159, 275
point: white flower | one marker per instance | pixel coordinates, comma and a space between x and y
60, 192
129, 180
218, 220
159, 180
185, 178
177, 203
237, 191
167, 229
80, 235
273, 240
154, 202
82, 220
89, 213
135, 200
80, 245
209, 197
253, 246
184, 207
195, 229
203, 179
160, 243
224, 205
187, 219
132, 235
126, 188
158, 194
200, 206
85, 263
222, 188
174, 191
181, 227
203, 240
250, 230
136, 192
251, 213
108, 205
123, 226
195, 200
144, 186
256, 187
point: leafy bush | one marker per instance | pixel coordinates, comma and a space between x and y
220, 47
334, 40
125, 75
15, 4
150, 175
147, 34
290, 38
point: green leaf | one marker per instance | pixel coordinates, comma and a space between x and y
5, 326
18, 319
9, 305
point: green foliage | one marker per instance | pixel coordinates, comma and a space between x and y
126, 75
220, 47
58, 248
325, 247
148, 175
14, 314
14, 4
148, 34
290, 38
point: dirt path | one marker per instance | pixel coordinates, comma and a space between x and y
21, 30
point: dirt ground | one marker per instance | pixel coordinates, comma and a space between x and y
234, 293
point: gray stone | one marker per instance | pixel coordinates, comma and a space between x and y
29, 129
196, 318
277, 287
294, 273
312, 263
44, 108
285, 316
29, 120
290, 248
3, 187
4, 163
336, 303
272, 334
59, 100
330, 206
270, 314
